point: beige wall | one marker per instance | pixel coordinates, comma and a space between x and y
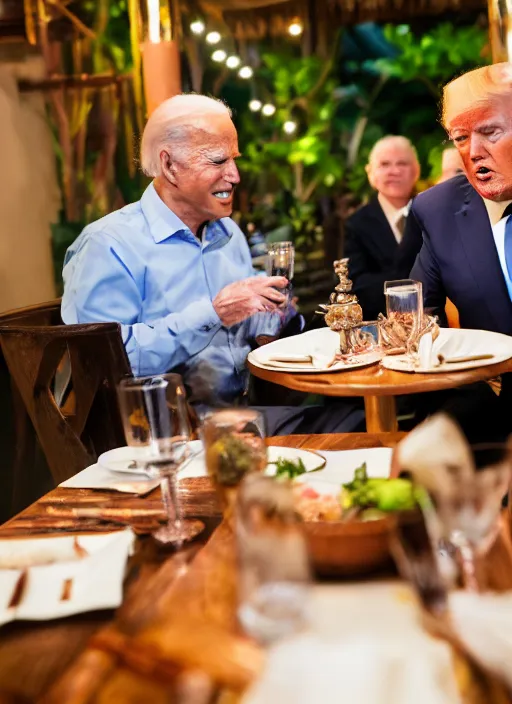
29, 193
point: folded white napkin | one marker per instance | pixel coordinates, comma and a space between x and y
97, 477
94, 581
455, 343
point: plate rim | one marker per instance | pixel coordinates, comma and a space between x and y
332, 370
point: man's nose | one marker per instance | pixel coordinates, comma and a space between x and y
476, 147
231, 173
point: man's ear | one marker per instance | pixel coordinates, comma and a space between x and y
168, 167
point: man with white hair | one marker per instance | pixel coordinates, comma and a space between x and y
176, 271
374, 232
465, 221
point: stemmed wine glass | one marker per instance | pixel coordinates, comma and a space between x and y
281, 260
155, 416
404, 307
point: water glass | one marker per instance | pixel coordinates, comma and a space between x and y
155, 416
234, 443
281, 259
273, 564
404, 309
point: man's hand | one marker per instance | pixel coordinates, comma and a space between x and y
241, 299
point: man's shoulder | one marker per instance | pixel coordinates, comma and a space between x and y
364, 212
445, 194
120, 224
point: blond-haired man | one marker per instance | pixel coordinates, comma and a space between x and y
374, 232
467, 233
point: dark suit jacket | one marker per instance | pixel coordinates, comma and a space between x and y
458, 258
371, 247
409, 248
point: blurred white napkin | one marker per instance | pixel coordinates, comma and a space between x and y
97, 477
366, 645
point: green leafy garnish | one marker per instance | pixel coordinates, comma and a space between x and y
289, 469
382, 494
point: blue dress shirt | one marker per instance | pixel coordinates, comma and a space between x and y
141, 266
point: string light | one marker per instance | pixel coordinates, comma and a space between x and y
255, 105
295, 28
246, 72
213, 37
268, 109
219, 56
197, 27
233, 61
289, 126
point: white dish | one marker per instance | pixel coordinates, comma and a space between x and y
455, 342
120, 459
320, 344
67, 583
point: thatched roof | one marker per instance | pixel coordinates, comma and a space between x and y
252, 19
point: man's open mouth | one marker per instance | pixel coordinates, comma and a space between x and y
223, 195
483, 173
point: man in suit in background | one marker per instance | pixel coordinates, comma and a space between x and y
410, 246
467, 232
374, 232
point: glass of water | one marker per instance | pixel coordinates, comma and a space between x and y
273, 564
404, 309
281, 260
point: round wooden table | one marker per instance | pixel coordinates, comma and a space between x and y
378, 386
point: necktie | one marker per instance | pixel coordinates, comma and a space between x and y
400, 226
508, 239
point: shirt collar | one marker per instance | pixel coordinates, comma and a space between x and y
393, 214
163, 223
495, 209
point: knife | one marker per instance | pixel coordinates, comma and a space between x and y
459, 360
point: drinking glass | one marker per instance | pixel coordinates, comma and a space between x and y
404, 308
155, 416
281, 260
234, 443
468, 514
273, 564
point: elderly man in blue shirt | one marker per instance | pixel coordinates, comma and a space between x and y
176, 271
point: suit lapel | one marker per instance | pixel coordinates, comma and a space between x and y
380, 230
475, 231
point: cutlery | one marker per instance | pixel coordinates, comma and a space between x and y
293, 359
106, 514
441, 359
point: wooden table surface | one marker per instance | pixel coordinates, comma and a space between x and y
181, 607
375, 380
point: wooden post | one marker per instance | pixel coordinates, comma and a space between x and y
160, 52
500, 30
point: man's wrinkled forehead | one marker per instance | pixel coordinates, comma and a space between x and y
208, 133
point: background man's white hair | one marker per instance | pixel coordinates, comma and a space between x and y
169, 127
389, 141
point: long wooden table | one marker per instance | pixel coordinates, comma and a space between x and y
181, 603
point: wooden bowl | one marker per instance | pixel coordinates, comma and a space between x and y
351, 548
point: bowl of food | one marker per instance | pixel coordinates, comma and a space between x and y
348, 527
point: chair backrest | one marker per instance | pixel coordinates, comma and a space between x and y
47, 313
97, 358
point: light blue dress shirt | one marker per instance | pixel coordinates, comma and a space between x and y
141, 266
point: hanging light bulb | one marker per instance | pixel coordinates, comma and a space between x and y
289, 126
213, 37
233, 61
197, 27
246, 72
219, 56
255, 105
295, 28
268, 109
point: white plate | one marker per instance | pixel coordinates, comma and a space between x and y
119, 460
454, 342
322, 342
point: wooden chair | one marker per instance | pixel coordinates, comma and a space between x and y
98, 361
23, 470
